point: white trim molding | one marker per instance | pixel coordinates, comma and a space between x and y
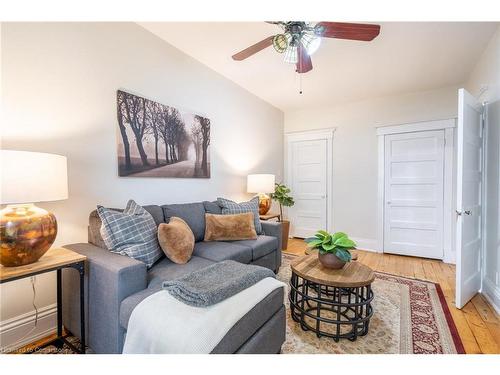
380, 194
305, 133
448, 126
366, 244
449, 187
11, 330
328, 134
417, 127
492, 293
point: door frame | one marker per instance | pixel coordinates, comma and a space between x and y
312, 135
449, 188
488, 289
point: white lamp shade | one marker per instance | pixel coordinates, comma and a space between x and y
260, 183
30, 177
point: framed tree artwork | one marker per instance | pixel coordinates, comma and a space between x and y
156, 140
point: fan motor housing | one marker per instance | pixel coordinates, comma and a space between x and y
295, 27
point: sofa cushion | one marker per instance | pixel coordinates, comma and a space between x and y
219, 251
132, 232
156, 212
168, 270
237, 335
212, 208
176, 240
94, 230
192, 213
128, 304
255, 319
229, 227
262, 246
230, 207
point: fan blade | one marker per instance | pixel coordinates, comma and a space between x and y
247, 52
353, 31
304, 63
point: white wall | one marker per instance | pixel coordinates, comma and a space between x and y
59, 83
355, 149
487, 73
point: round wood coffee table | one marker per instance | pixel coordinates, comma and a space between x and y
331, 303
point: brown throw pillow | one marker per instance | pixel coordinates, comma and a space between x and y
176, 240
230, 227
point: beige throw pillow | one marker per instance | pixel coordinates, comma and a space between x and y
230, 227
176, 240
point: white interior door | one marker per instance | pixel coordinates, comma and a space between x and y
414, 180
309, 186
469, 197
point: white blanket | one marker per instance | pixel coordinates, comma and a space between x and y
162, 324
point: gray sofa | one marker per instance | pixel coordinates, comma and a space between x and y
115, 284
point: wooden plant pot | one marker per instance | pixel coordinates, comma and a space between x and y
285, 232
330, 260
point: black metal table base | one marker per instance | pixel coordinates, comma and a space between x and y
60, 340
330, 311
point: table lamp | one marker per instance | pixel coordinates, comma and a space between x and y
27, 231
262, 184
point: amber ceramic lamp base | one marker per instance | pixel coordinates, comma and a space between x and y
264, 204
26, 232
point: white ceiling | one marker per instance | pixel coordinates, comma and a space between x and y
405, 57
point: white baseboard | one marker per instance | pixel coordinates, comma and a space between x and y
366, 244
449, 257
492, 293
13, 330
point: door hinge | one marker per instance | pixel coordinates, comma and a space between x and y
483, 114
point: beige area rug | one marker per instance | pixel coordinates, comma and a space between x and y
410, 316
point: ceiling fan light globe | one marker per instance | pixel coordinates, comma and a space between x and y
313, 46
280, 43
319, 29
291, 55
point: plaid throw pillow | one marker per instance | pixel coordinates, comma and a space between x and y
132, 232
230, 207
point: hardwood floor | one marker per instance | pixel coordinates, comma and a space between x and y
32, 347
477, 323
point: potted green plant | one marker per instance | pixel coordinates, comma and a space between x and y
282, 196
333, 248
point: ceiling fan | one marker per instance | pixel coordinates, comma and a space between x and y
299, 40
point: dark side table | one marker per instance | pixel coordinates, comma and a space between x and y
54, 260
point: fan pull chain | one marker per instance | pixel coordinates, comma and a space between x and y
300, 84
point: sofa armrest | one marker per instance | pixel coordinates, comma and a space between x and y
274, 229
109, 279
